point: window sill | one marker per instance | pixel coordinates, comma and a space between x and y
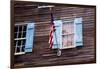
67, 47
19, 53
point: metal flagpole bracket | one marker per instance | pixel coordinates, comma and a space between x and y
59, 52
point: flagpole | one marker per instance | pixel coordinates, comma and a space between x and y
58, 49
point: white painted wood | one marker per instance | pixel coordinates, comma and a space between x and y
19, 38
20, 53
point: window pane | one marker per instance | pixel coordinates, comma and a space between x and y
19, 42
16, 29
24, 34
17, 49
24, 28
15, 35
20, 28
19, 34
23, 42
23, 48
15, 43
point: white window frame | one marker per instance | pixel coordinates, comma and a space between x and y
72, 22
69, 21
18, 24
67, 47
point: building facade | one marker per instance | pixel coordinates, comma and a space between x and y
31, 34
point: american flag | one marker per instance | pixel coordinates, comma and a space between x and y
52, 30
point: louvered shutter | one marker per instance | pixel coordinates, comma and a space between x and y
78, 32
29, 37
57, 36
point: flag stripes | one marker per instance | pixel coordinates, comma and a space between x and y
52, 30
51, 36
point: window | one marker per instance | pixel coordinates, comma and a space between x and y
68, 34
23, 38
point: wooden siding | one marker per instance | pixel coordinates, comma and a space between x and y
42, 55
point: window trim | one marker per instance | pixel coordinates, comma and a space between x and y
20, 53
71, 46
72, 21
20, 24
